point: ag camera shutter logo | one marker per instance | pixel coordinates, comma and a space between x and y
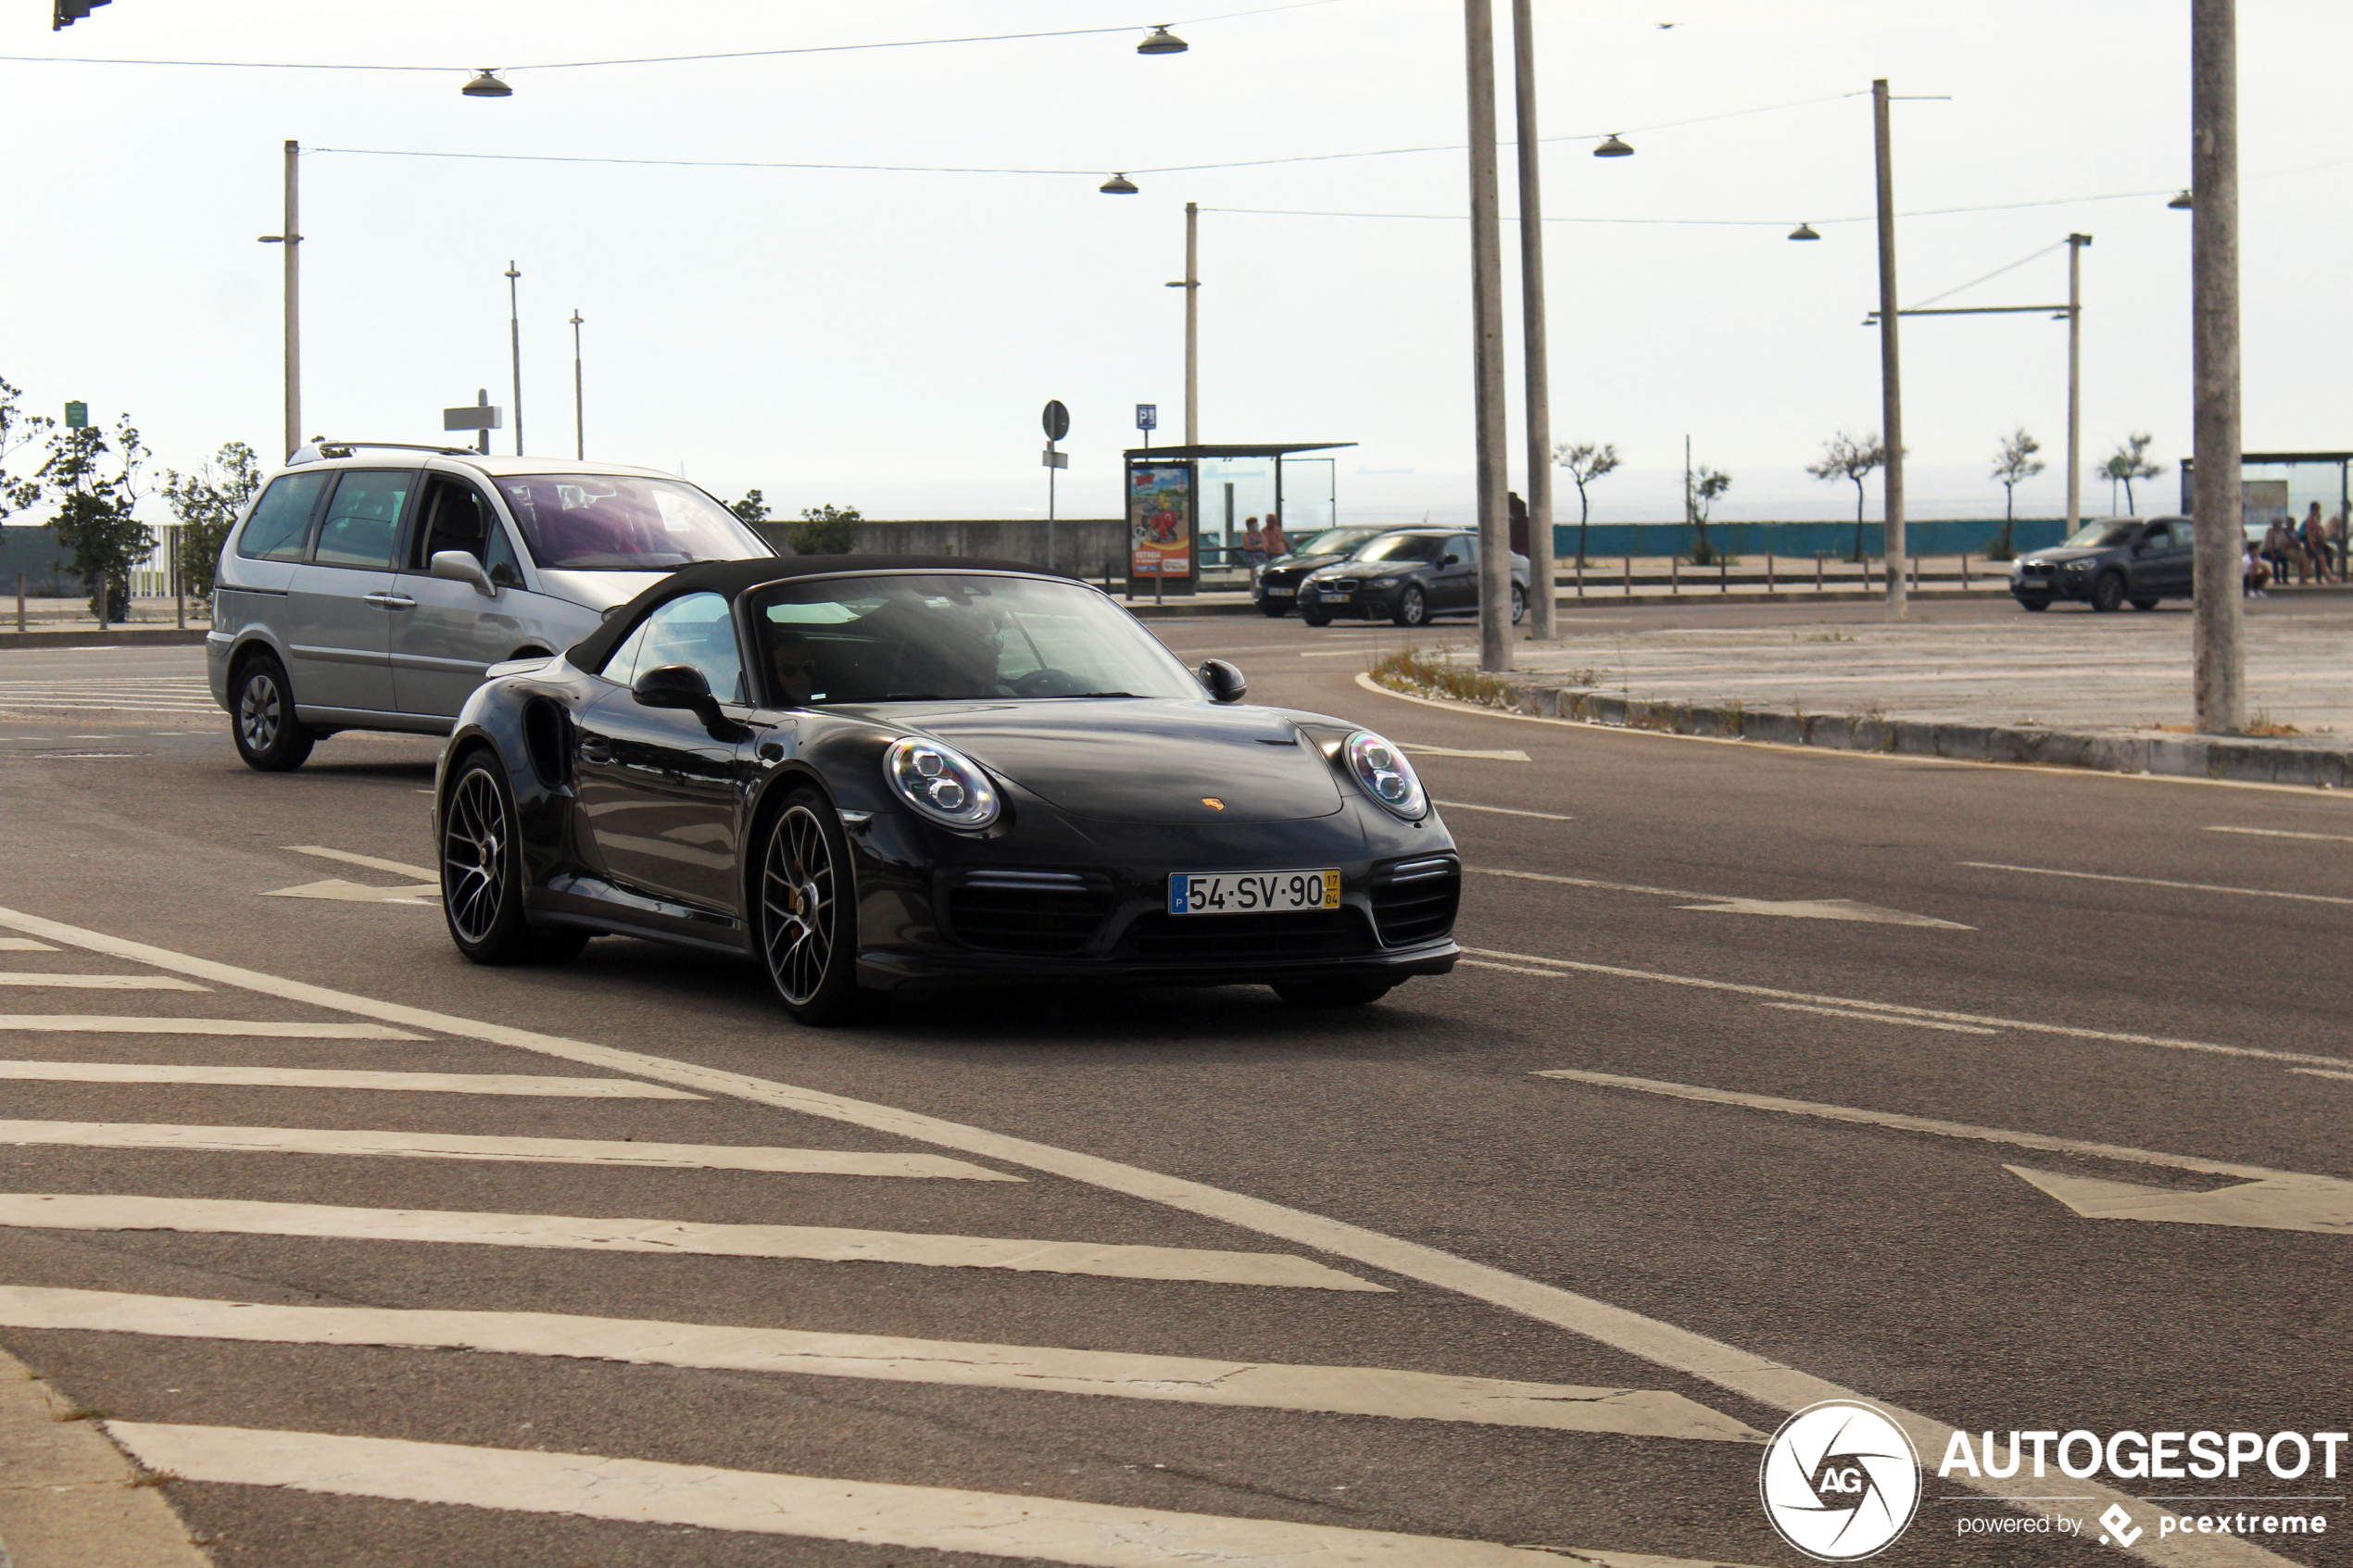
1840, 1481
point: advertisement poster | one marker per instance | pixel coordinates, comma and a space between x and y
2265, 502
1159, 520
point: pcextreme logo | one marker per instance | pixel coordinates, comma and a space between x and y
1840, 1481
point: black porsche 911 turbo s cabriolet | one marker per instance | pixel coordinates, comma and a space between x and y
879, 774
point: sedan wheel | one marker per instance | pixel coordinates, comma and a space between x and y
1413, 607
1274, 608
482, 874
2144, 605
268, 737
1520, 604
808, 911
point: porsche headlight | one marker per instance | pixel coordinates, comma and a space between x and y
1385, 774
945, 785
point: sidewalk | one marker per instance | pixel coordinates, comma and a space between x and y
2110, 692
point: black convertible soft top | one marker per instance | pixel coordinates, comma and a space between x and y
732, 577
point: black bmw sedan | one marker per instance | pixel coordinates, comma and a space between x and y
1274, 586
883, 773
1407, 575
2110, 564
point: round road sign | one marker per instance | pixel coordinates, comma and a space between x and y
1057, 420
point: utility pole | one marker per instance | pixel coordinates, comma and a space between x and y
2075, 244
291, 238
2217, 504
1890, 376
579, 424
514, 340
1192, 326
1534, 351
1487, 344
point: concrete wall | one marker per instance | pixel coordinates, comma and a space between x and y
1938, 537
1082, 544
48, 565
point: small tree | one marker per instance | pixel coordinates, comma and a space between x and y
2128, 463
1585, 462
823, 531
752, 508
206, 503
1703, 486
1844, 457
93, 518
2015, 463
17, 429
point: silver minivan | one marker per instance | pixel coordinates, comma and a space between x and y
370, 586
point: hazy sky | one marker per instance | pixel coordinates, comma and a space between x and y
885, 339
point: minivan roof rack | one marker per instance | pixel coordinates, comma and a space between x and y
318, 447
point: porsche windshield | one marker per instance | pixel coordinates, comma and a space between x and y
623, 522
912, 637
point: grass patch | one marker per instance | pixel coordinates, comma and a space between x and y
1420, 673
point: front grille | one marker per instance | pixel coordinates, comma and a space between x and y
1338, 585
1415, 901
2037, 568
1301, 933
1034, 912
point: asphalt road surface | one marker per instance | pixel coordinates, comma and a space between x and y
2003, 1099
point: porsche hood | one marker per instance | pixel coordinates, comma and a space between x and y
1147, 760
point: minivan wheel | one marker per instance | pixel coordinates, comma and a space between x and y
262, 718
2108, 594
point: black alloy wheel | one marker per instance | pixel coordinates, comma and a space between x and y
268, 737
808, 911
2108, 594
1274, 608
2036, 604
1413, 606
1520, 604
1317, 617
482, 873
1332, 993
2144, 606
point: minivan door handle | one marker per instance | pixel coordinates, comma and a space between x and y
384, 600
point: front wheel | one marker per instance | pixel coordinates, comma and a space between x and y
1317, 617
1413, 607
2144, 605
807, 903
2036, 605
482, 873
262, 719
2108, 594
1272, 609
1332, 993
1520, 604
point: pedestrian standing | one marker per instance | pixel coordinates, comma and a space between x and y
2279, 543
1276, 545
2315, 538
1254, 545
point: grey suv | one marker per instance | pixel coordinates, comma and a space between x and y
2110, 563
370, 586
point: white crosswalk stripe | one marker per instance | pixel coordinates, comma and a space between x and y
334, 1078
156, 694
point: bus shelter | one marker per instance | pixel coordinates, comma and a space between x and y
1187, 506
2285, 484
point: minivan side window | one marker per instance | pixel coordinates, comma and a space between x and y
363, 519
280, 526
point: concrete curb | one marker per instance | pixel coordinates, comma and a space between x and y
2198, 757
112, 636
67, 1496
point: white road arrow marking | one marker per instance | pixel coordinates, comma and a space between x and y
360, 893
1823, 909
2277, 1203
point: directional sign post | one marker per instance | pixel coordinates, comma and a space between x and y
1057, 423
480, 416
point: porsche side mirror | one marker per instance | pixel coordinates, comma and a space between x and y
457, 566
1225, 682
673, 685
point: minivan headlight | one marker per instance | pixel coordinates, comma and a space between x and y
1382, 772
943, 784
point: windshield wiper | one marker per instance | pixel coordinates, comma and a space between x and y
1074, 695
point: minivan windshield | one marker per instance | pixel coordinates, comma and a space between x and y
932, 636
623, 522
2100, 535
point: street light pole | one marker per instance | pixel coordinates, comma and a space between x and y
1192, 324
2075, 244
2217, 504
514, 340
1891, 378
579, 424
1486, 344
291, 237
1534, 352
